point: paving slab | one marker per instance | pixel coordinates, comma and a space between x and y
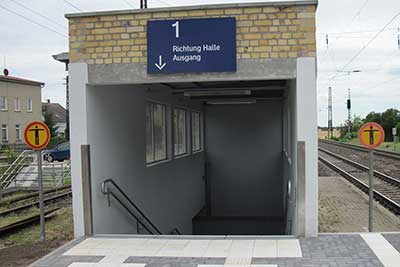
367, 250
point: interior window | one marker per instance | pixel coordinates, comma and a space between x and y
156, 145
196, 132
180, 131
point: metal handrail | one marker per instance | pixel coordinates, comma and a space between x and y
176, 231
106, 191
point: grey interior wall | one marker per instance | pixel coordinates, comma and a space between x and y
244, 152
170, 193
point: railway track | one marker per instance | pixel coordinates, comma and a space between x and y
11, 200
35, 203
386, 188
25, 202
24, 222
379, 152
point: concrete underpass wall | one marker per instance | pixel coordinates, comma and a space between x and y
289, 157
244, 152
170, 193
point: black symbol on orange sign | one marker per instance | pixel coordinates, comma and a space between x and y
371, 134
36, 130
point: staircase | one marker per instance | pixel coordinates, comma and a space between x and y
204, 224
143, 224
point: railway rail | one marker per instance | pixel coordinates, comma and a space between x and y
11, 200
380, 152
24, 222
53, 198
30, 200
386, 188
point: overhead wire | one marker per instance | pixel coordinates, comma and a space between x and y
381, 83
34, 22
39, 14
72, 5
356, 15
367, 44
329, 50
129, 3
359, 11
356, 32
163, 2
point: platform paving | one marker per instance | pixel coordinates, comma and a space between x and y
328, 250
344, 208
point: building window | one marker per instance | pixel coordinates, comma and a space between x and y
3, 103
18, 132
156, 132
180, 131
4, 133
17, 105
29, 105
196, 131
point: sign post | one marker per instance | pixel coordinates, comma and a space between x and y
371, 135
37, 137
394, 132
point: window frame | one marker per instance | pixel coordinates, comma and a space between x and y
4, 127
29, 105
5, 103
187, 140
166, 158
17, 108
18, 137
200, 131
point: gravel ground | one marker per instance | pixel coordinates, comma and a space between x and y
325, 171
388, 189
382, 164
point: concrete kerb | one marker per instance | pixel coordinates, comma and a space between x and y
198, 237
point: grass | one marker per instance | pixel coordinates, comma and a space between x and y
58, 227
13, 217
67, 181
389, 146
12, 196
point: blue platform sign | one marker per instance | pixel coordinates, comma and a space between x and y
191, 45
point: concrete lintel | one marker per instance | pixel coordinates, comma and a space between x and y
250, 69
195, 7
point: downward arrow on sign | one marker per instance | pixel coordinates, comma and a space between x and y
160, 65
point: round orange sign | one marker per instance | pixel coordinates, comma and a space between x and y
37, 135
371, 135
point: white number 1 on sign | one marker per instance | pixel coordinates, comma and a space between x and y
176, 26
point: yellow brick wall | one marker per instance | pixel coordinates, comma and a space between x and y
262, 33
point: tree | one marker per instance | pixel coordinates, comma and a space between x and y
388, 120
48, 120
373, 117
356, 123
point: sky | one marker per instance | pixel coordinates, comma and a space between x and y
362, 54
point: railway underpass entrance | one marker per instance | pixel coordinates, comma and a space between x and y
179, 129
213, 155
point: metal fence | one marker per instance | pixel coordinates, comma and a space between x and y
22, 172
